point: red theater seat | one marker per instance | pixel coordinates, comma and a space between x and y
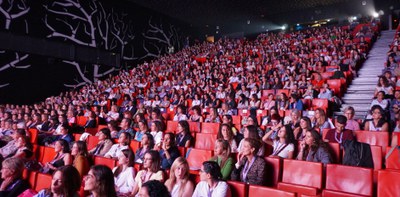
46, 154
273, 170
196, 157
377, 156
92, 142
301, 177
388, 183
205, 141
319, 103
348, 180
111, 163
43, 181
393, 161
207, 127
172, 125
194, 127
373, 138
255, 190
238, 189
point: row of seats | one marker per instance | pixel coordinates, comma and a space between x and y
339, 181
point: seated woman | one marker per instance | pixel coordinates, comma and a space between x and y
222, 155
81, 161
378, 122
380, 100
180, 113
146, 144
351, 124
143, 128
156, 132
100, 182
320, 121
123, 143
151, 170
196, 116
184, 138
270, 102
213, 116
179, 184
250, 132
169, 151
66, 182
225, 133
62, 157
154, 188
312, 148
250, 168
283, 144
124, 173
227, 119
300, 132
210, 182
13, 184
252, 121
24, 149
104, 144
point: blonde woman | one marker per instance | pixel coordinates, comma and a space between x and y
222, 152
178, 183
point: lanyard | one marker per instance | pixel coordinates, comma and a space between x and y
340, 139
247, 167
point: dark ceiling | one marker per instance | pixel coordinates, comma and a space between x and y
224, 13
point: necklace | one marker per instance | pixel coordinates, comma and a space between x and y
340, 139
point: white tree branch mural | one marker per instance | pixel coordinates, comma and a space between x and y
12, 10
91, 25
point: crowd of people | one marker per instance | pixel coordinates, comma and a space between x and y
209, 82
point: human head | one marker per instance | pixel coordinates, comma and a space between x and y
126, 157
105, 132
179, 169
251, 146
313, 139
79, 148
66, 181
251, 132
210, 170
153, 188
340, 123
124, 138
169, 139
152, 161
286, 132
148, 139
100, 180
349, 112
222, 148
225, 132
12, 168
61, 145
183, 127
377, 112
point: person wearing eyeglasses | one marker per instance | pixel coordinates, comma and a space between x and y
378, 122
66, 181
210, 181
351, 124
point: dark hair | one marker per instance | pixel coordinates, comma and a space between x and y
70, 179
341, 119
156, 189
253, 133
254, 143
185, 125
104, 180
317, 142
128, 136
172, 138
106, 132
156, 160
158, 125
151, 140
128, 153
65, 145
21, 132
230, 133
82, 148
289, 138
212, 168
382, 120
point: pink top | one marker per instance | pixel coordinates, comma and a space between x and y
352, 125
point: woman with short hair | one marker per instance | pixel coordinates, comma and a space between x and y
210, 181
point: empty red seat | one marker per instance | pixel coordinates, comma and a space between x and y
348, 180
207, 127
205, 141
172, 125
43, 181
33, 135
111, 163
393, 160
196, 157
273, 170
46, 154
388, 183
336, 86
31, 178
92, 131
266, 92
280, 91
194, 127
256, 190
238, 189
92, 142
301, 177
81, 120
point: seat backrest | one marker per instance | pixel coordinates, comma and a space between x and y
320, 103
280, 91
335, 85
48, 154
373, 138
34, 134
92, 142
256, 190
81, 120
134, 145
205, 141
377, 156
349, 179
244, 112
273, 170
196, 157
208, 127
172, 125
111, 163
393, 161
42, 181
311, 175
238, 189
388, 183
334, 149
32, 175
194, 127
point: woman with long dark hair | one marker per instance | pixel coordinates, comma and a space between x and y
66, 182
312, 148
100, 182
283, 144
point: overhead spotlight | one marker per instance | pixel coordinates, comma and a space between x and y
381, 12
217, 32
375, 15
248, 22
298, 24
354, 17
283, 27
329, 20
364, 3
